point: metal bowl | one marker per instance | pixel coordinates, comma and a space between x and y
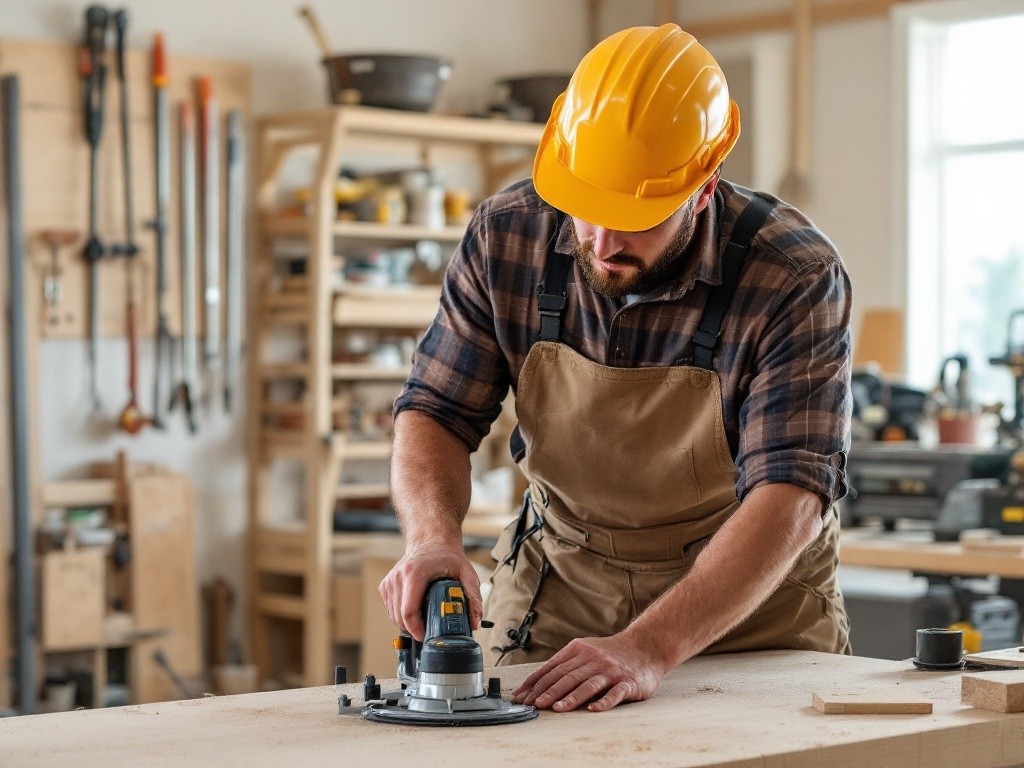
537, 92
392, 81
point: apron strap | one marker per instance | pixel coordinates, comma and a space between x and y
733, 258
552, 297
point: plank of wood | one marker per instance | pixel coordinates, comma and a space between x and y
987, 541
376, 653
73, 599
880, 340
164, 589
871, 701
347, 604
743, 710
775, 20
887, 551
1012, 658
994, 691
79, 493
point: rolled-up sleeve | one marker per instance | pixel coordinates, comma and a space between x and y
460, 375
795, 420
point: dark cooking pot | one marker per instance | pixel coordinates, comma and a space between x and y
387, 80
538, 92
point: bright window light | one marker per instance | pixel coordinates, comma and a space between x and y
965, 234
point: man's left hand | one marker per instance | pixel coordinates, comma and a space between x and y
596, 672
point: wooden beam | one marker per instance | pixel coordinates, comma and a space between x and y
743, 24
593, 23
832, 12
666, 12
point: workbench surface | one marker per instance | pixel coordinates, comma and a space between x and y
732, 710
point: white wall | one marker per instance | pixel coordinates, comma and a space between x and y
851, 165
487, 39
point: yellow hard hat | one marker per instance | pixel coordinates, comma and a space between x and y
645, 122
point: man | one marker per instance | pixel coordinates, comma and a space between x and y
679, 351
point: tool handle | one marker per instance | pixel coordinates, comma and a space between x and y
447, 610
160, 79
133, 344
93, 70
306, 12
120, 30
96, 20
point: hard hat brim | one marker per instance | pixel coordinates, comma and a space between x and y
562, 189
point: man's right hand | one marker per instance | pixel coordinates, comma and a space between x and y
404, 588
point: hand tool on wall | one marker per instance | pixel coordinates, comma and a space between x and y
185, 388
161, 123
24, 548
131, 419
235, 249
443, 677
53, 294
210, 151
92, 68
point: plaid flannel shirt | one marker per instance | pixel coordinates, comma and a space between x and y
783, 356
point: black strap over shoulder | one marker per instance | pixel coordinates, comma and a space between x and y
552, 297
734, 257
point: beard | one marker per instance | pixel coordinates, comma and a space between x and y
644, 277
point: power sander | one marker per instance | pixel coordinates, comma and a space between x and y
442, 678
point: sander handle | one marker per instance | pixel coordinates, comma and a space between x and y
447, 610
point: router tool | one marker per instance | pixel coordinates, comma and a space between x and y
442, 678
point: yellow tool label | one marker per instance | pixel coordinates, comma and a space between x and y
455, 593
1013, 514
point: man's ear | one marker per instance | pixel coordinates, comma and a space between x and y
707, 191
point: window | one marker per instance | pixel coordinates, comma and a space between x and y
964, 106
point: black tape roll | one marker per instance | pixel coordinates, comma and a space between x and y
939, 648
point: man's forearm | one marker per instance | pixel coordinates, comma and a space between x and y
430, 480
739, 568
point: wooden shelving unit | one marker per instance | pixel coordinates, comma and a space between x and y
290, 564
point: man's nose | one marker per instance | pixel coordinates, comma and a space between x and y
606, 243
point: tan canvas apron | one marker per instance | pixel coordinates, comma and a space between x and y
630, 473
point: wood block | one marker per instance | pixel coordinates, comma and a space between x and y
164, 589
880, 341
1012, 658
868, 701
347, 603
73, 599
994, 691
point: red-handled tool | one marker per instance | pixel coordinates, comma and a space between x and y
162, 341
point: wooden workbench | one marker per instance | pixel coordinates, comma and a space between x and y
733, 710
915, 551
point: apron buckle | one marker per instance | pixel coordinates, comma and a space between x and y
522, 533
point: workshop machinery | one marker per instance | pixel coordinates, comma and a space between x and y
442, 678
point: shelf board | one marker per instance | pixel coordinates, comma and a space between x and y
369, 372
399, 307
285, 371
364, 450
363, 490
419, 126
299, 227
79, 493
